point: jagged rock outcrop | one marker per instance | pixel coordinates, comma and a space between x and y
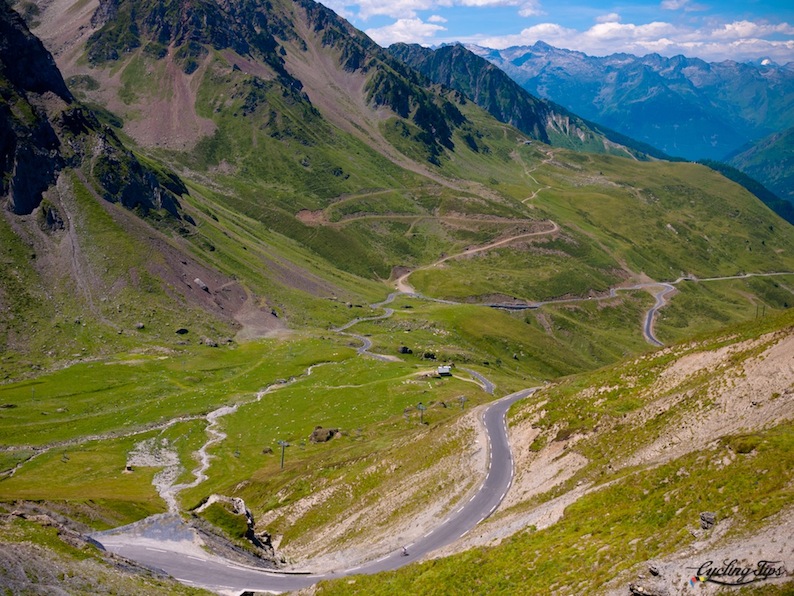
235, 505
29, 147
323, 435
189, 27
24, 61
43, 131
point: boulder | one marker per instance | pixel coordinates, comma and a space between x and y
648, 590
707, 520
322, 435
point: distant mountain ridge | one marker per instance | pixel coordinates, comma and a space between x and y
489, 87
683, 106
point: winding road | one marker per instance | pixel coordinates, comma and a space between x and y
165, 542
405, 288
664, 288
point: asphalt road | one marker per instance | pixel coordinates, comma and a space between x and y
487, 385
650, 317
193, 567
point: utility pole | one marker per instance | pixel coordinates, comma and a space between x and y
284, 445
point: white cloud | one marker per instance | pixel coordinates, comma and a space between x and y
398, 9
686, 5
617, 32
407, 9
749, 29
405, 30
551, 33
612, 17
739, 40
530, 9
437, 19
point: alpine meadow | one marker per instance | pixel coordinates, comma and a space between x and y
282, 310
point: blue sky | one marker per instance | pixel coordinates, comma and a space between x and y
714, 30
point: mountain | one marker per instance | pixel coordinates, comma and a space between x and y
68, 182
683, 106
44, 132
489, 87
311, 165
770, 160
341, 226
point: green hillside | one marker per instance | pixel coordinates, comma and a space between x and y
305, 176
631, 512
771, 161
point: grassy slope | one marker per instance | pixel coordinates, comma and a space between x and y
513, 349
770, 162
247, 183
89, 287
641, 525
661, 219
646, 512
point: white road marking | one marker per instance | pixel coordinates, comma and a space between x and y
157, 550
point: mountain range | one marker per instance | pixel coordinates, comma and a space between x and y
237, 240
456, 67
682, 106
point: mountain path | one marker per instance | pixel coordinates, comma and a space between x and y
665, 288
403, 287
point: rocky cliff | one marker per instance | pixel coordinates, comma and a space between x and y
43, 131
